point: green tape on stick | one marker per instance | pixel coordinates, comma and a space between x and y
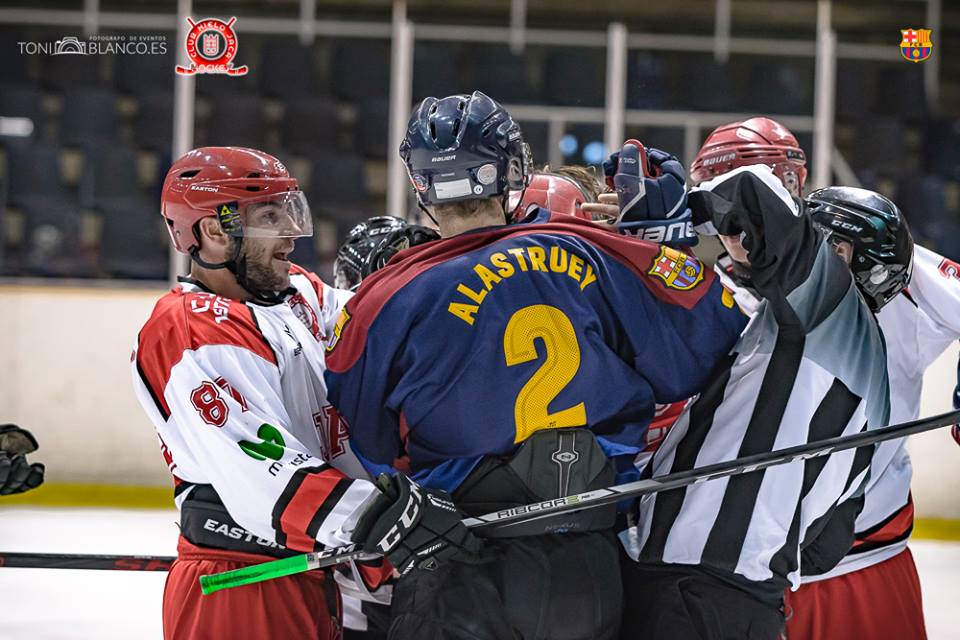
255, 573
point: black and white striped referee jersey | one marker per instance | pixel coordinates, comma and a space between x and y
810, 365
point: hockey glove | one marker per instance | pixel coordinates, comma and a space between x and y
395, 242
651, 193
16, 474
415, 527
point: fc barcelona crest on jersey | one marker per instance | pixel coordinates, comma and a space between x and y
676, 269
915, 44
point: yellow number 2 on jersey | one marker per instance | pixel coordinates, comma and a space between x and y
560, 365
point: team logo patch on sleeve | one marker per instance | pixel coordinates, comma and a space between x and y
676, 269
338, 329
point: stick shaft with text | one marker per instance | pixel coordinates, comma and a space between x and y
590, 499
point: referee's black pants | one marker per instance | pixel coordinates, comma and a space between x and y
680, 602
549, 587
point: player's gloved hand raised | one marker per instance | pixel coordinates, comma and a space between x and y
651, 194
415, 527
16, 474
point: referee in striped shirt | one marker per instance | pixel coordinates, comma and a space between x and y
712, 560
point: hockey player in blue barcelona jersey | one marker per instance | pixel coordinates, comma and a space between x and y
470, 365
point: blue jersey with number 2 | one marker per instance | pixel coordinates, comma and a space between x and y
465, 347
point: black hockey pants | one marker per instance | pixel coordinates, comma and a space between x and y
548, 587
677, 602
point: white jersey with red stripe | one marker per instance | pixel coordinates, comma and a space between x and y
236, 393
917, 326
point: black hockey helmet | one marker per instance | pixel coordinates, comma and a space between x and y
361, 241
882, 261
462, 148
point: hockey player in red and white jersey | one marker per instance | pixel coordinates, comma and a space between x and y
229, 368
874, 591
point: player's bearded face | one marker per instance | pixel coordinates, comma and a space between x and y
268, 268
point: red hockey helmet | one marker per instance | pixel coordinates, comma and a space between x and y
555, 193
250, 192
754, 141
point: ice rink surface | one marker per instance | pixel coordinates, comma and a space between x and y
45, 604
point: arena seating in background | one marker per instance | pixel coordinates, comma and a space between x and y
856, 89
781, 86
132, 239
153, 122
64, 72
108, 124
437, 70
236, 120
575, 77
89, 114
309, 124
705, 85
109, 173
646, 88
33, 169
142, 75
287, 70
338, 186
14, 68
24, 101
537, 135
372, 127
361, 69
902, 94
941, 148
502, 75
880, 145
51, 230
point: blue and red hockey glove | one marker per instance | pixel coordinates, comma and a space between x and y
652, 196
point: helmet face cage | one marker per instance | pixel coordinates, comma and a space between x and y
345, 275
882, 259
362, 240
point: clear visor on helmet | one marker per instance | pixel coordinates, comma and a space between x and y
276, 215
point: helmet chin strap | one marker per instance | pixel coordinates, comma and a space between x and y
237, 265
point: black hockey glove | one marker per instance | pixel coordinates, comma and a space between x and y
16, 474
415, 527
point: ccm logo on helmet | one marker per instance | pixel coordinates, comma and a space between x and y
846, 225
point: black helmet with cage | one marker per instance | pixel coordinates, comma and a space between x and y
882, 260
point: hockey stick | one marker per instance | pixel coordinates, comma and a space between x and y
590, 499
84, 561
